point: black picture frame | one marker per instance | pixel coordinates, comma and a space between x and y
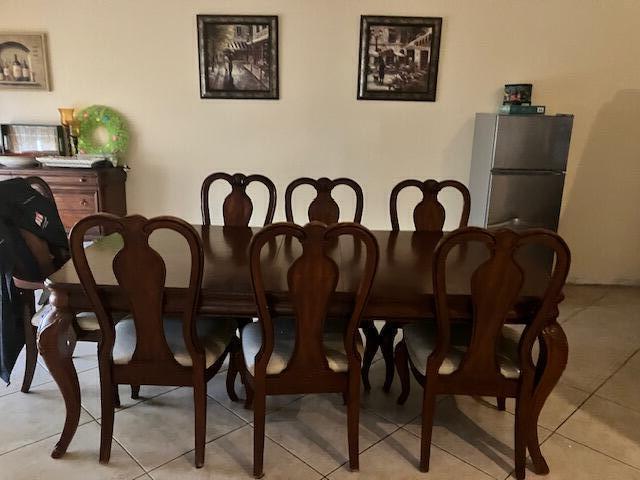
247, 44
410, 43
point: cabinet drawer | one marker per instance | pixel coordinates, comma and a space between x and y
70, 217
88, 179
85, 202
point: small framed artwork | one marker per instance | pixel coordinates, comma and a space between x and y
399, 58
23, 61
238, 56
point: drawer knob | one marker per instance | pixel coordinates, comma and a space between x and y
84, 203
82, 179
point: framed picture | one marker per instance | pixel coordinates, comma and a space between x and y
399, 58
238, 56
23, 61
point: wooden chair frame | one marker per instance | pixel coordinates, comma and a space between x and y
237, 206
312, 279
495, 286
428, 215
153, 363
324, 208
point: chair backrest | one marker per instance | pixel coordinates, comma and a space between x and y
496, 285
429, 213
312, 280
324, 208
237, 207
141, 275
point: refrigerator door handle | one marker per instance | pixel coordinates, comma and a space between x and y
515, 223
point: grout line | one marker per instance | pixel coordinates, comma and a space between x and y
596, 450
148, 472
635, 410
57, 434
597, 388
114, 439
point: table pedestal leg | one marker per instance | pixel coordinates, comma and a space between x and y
56, 342
554, 352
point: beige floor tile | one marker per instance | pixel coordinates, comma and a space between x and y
85, 356
385, 404
162, 428
40, 376
571, 461
475, 431
90, 392
29, 417
624, 387
216, 389
600, 340
621, 296
231, 457
584, 295
398, 456
562, 402
607, 427
314, 429
578, 297
33, 462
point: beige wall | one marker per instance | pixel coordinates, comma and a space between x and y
140, 57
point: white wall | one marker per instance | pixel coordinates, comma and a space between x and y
140, 57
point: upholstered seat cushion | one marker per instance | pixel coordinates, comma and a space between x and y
215, 334
421, 337
284, 343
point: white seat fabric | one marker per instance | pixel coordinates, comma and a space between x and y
284, 343
214, 334
420, 339
87, 321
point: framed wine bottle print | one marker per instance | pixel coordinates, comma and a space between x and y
238, 56
23, 61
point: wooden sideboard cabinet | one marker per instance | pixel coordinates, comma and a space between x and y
80, 191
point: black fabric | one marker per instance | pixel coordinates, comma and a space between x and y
22, 207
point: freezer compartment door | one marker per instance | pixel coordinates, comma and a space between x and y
525, 200
532, 142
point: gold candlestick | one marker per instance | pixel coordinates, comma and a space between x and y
66, 118
66, 115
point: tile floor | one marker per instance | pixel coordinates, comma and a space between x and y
590, 425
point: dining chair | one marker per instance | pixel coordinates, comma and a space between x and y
307, 353
237, 206
237, 209
180, 350
428, 216
484, 357
325, 209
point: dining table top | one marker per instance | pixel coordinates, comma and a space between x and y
402, 289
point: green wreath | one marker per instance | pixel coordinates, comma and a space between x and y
94, 117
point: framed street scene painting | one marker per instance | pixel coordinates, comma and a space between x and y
23, 61
399, 58
238, 56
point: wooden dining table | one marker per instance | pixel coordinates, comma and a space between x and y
402, 293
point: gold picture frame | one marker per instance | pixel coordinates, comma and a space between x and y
24, 61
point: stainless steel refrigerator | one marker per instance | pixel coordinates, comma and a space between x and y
517, 170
